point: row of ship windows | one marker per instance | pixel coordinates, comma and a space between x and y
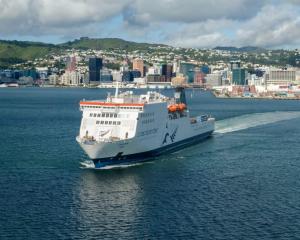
136, 108
111, 115
147, 121
148, 132
144, 115
108, 122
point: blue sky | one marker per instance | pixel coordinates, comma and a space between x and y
189, 23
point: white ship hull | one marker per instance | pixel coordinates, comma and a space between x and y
145, 132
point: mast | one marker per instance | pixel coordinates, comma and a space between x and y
117, 90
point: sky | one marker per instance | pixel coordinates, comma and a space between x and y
184, 23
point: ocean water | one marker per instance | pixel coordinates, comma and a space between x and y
242, 183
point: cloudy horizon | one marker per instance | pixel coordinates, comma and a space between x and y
189, 23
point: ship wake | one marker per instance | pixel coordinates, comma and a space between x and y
252, 120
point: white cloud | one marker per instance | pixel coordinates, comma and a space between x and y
274, 26
47, 16
190, 23
195, 10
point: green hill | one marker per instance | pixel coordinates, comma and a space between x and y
241, 49
107, 43
12, 52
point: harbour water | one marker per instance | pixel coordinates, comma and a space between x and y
242, 183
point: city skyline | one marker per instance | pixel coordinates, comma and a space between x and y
201, 24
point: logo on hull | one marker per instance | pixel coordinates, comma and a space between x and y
170, 136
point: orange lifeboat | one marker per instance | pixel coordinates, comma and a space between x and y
172, 108
181, 107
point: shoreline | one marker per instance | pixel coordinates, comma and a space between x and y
255, 97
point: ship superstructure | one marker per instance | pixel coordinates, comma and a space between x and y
127, 127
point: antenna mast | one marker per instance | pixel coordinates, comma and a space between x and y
117, 90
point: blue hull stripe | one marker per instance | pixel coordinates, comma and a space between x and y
144, 156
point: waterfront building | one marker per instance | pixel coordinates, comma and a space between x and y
140, 80
281, 77
175, 67
153, 78
136, 74
166, 72
298, 77
53, 79
25, 81
71, 78
105, 76
127, 76
117, 76
179, 80
239, 76
95, 65
31, 73
153, 70
214, 79
138, 64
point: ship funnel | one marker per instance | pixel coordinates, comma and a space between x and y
180, 95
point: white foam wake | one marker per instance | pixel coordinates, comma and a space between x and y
90, 165
87, 164
253, 120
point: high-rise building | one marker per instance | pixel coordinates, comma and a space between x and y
166, 72
127, 76
199, 77
138, 64
95, 65
136, 74
187, 69
205, 69
71, 64
239, 76
234, 64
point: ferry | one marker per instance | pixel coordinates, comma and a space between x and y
127, 128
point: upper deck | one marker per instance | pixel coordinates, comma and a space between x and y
126, 100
